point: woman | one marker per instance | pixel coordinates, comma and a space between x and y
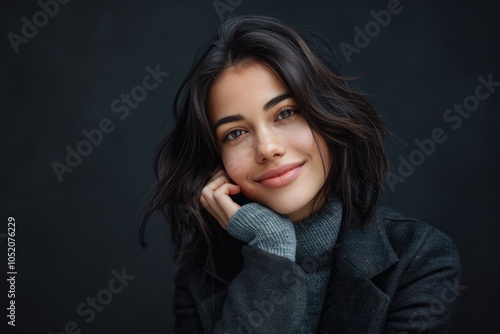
287, 162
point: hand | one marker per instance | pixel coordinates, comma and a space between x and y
215, 197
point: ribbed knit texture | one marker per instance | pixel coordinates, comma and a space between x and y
308, 242
264, 228
316, 237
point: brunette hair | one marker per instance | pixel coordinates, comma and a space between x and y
342, 116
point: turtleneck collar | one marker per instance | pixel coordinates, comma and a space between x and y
317, 234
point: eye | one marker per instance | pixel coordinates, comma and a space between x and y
232, 135
286, 113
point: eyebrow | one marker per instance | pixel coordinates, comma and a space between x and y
269, 104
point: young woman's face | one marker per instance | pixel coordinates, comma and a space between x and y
266, 145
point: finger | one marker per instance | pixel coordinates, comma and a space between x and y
207, 191
216, 174
207, 200
226, 204
217, 182
219, 204
213, 213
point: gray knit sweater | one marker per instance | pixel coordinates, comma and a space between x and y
308, 243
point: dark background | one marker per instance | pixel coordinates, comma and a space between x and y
70, 235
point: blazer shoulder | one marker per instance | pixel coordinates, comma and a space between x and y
428, 273
413, 237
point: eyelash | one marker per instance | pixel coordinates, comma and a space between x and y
293, 112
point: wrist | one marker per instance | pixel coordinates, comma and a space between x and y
263, 228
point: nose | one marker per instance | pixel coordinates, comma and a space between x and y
268, 146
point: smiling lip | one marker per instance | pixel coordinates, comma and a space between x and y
280, 176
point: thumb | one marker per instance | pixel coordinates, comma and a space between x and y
233, 189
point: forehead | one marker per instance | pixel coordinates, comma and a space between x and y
243, 87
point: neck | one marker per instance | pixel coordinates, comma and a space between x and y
307, 211
318, 233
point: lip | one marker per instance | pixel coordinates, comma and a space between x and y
281, 176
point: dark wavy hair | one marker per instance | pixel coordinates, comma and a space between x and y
341, 115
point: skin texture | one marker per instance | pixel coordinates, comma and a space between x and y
261, 140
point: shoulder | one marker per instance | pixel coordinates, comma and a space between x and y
423, 282
399, 246
427, 258
409, 236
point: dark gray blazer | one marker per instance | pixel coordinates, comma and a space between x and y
398, 275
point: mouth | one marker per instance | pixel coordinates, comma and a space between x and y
281, 176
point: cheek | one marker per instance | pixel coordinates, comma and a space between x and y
234, 166
304, 140
301, 138
238, 168
325, 153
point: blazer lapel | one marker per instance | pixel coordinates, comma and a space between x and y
353, 303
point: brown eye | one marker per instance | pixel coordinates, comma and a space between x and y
232, 135
286, 113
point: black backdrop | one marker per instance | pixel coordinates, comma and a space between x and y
74, 234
